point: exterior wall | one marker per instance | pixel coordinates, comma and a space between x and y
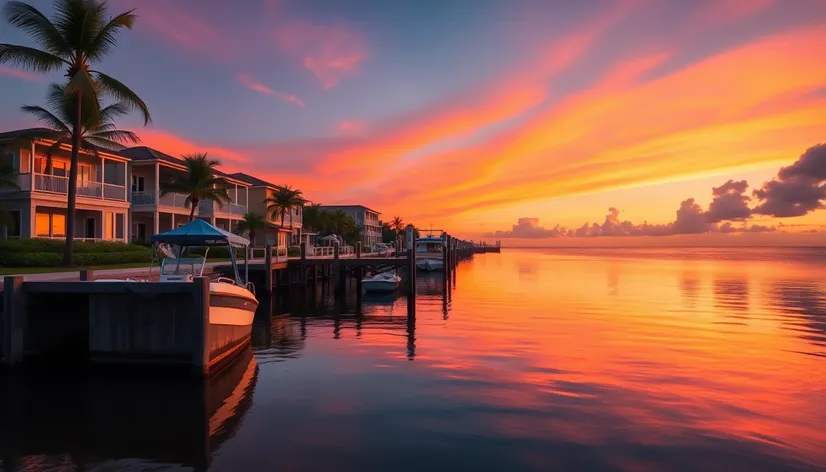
367, 219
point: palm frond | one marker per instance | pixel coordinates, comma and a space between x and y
30, 58
65, 138
35, 24
46, 117
122, 93
78, 21
115, 110
8, 178
89, 148
105, 144
117, 135
106, 38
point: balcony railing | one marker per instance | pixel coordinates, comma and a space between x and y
208, 207
23, 181
143, 198
173, 200
114, 192
51, 183
88, 188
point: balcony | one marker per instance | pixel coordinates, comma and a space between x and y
208, 207
60, 185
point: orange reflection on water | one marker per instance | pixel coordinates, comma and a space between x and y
597, 347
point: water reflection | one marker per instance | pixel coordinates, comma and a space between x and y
802, 305
731, 297
69, 420
690, 287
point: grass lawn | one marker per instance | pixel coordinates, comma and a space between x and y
46, 270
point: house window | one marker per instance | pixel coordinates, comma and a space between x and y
84, 173
119, 225
13, 228
58, 225
137, 183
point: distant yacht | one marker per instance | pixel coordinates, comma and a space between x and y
429, 253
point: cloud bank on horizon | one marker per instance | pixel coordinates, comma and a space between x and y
797, 190
508, 105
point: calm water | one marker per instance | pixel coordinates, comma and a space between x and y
598, 359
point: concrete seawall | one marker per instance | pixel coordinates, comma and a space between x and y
143, 323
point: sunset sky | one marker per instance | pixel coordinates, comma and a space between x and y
471, 115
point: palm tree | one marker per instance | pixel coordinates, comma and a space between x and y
79, 34
283, 201
315, 217
95, 134
252, 223
340, 222
8, 177
198, 183
398, 225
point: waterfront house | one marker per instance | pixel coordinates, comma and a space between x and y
153, 213
291, 234
366, 218
39, 207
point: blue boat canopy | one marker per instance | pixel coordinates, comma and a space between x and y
200, 233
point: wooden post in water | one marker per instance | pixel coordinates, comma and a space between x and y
87, 275
445, 259
200, 308
339, 277
268, 269
303, 264
14, 320
358, 249
411, 262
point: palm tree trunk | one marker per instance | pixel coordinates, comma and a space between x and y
72, 193
192, 210
282, 218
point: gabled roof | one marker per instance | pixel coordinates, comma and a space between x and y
255, 181
35, 133
144, 153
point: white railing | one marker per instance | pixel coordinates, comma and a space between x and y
236, 209
173, 199
320, 251
23, 181
51, 183
143, 198
206, 207
88, 189
114, 192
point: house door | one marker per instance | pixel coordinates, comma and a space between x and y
139, 232
90, 228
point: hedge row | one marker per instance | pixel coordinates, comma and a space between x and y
56, 246
49, 253
50, 259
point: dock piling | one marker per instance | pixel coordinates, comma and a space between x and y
87, 275
303, 265
14, 320
268, 269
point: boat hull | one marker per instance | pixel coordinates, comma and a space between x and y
380, 285
427, 264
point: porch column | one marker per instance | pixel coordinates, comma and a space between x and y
156, 222
32, 221
127, 185
100, 228
157, 190
102, 177
31, 169
51, 233
247, 198
235, 200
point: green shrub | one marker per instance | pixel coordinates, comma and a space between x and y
294, 251
40, 252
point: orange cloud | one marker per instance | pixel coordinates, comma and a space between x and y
352, 127
174, 145
247, 81
502, 100
20, 74
332, 52
744, 107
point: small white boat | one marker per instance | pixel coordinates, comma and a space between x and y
429, 254
384, 282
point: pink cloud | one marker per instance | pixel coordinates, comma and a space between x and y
175, 145
331, 52
352, 127
247, 81
180, 26
20, 74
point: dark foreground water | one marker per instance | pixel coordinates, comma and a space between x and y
598, 359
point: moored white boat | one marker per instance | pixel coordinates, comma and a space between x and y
429, 254
384, 282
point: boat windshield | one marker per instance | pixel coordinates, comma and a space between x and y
429, 247
193, 266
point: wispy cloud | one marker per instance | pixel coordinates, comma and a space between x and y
20, 74
247, 81
352, 127
332, 52
175, 145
